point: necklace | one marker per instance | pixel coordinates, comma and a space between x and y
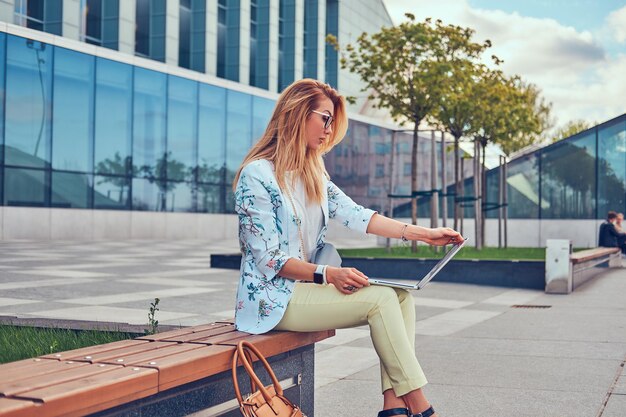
298, 221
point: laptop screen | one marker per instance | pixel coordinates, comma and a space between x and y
442, 262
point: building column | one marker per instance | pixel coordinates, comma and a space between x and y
321, 40
210, 63
273, 47
7, 10
299, 41
128, 14
172, 29
244, 42
71, 20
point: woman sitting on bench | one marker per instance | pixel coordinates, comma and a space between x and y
284, 199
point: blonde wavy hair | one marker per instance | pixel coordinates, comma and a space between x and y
284, 142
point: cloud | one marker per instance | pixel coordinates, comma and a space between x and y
617, 24
571, 67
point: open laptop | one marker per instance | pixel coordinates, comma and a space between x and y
431, 274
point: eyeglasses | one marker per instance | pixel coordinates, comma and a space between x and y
327, 118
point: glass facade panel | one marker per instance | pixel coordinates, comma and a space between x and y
523, 188
568, 179
191, 38
110, 23
2, 96
25, 187
286, 43
611, 168
180, 197
209, 198
332, 28
211, 134
29, 91
148, 195
238, 131
228, 16
150, 29
73, 110
149, 119
111, 193
44, 15
92, 20
71, 190
262, 109
310, 39
113, 116
182, 122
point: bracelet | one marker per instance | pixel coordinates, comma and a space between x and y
404, 239
324, 275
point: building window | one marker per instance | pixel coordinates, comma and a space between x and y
259, 43
100, 22
150, 29
46, 16
380, 170
407, 169
286, 43
332, 28
191, 34
310, 39
228, 24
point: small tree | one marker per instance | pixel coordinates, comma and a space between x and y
405, 68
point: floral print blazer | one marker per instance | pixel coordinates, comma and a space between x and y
268, 237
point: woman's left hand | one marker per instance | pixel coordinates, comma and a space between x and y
441, 236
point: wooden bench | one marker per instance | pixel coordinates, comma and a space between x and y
566, 271
173, 373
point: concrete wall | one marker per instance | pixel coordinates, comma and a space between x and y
50, 223
64, 224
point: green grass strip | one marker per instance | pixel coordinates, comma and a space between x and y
17, 342
429, 252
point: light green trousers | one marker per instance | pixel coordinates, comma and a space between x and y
389, 312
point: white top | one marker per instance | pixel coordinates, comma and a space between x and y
311, 215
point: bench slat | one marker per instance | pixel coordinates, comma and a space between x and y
23, 365
17, 408
44, 367
227, 329
66, 372
106, 355
92, 350
589, 254
191, 365
97, 392
181, 332
151, 355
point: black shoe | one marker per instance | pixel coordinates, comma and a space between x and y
426, 413
395, 412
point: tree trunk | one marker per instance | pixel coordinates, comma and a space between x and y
391, 169
483, 194
477, 211
505, 203
457, 183
434, 198
414, 183
444, 189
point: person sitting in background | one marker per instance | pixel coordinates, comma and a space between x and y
608, 233
621, 241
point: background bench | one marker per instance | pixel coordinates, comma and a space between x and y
566, 271
174, 373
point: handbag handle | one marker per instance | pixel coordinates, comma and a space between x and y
243, 348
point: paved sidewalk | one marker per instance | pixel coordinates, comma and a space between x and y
482, 356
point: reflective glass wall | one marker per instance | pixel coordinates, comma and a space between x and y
81, 131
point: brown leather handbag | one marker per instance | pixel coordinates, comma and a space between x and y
267, 401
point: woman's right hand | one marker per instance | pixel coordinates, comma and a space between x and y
346, 280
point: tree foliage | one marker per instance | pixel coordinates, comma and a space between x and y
570, 129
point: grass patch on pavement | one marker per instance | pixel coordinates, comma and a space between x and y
18, 342
468, 252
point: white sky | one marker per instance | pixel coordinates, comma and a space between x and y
573, 51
